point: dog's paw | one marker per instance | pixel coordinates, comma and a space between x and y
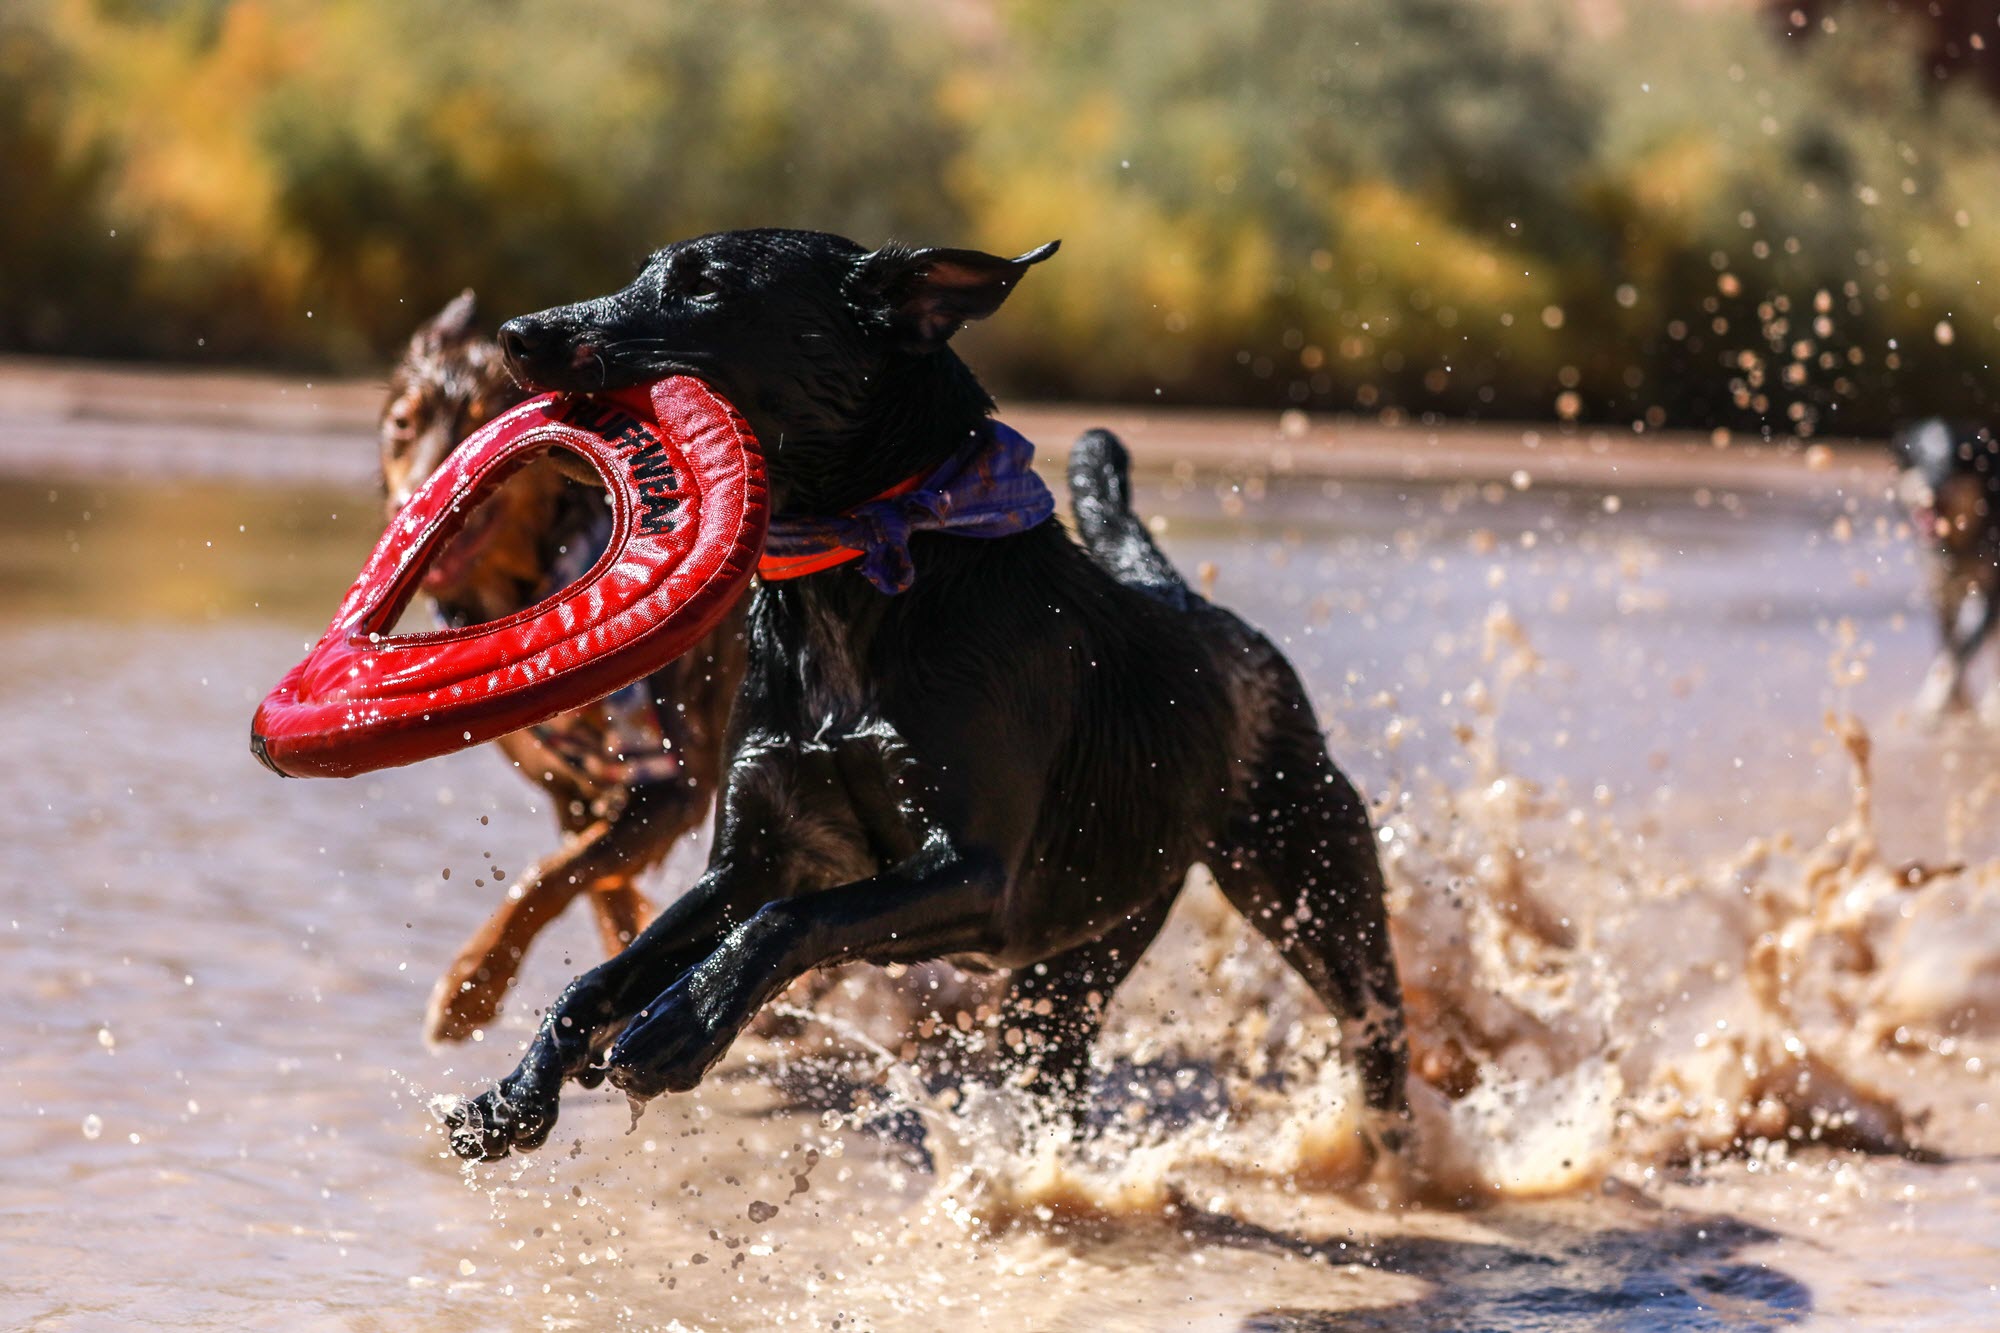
670, 1046
516, 1115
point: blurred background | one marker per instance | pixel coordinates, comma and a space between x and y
1743, 214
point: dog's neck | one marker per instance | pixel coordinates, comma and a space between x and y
819, 629
822, 626
921, 411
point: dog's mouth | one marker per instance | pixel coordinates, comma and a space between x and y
583, 366
598, 366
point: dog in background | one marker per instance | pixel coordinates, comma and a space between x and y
1951, 483
626, 776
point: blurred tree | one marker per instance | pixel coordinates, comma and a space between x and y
1835, 216
540, 158
62, 269
1291, 200
1961, 37
1654, 213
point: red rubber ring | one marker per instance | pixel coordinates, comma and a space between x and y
689, 507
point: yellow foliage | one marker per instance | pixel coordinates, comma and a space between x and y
1440, 204
1416, 246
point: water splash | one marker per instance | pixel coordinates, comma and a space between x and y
1578, 1010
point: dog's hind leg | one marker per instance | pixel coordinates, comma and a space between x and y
1978, 614
1299, 863
1059, 1006
621, 910
603, 860
467, 997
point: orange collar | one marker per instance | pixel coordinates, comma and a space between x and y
777, 567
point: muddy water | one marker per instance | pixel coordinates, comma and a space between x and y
1663, 943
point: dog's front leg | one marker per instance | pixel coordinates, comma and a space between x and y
521, 1109
467, 997
936, 904
572, 792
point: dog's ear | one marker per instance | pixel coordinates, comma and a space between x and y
926, 295
453, 323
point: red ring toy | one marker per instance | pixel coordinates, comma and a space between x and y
689, 507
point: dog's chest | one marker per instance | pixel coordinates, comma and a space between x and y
824, 778
836, 807
829, 687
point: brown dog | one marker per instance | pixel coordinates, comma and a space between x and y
629, 774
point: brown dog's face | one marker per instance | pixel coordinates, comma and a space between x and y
450, 382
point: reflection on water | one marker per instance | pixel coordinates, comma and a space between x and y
179, 551
214, 1091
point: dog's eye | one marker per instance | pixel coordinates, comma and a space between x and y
703, 287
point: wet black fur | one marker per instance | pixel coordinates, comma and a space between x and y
1014, 763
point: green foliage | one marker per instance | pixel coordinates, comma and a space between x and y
58, 261
1645, 212
544, 156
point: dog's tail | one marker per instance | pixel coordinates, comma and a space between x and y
1100, 495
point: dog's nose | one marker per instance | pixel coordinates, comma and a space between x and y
523, 339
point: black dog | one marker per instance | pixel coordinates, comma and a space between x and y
1951, 481
1015, 762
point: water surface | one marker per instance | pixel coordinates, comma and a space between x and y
1622, 835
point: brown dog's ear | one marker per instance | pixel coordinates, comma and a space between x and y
926, 295
453, 323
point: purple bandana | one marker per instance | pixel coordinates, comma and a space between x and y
986, 490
